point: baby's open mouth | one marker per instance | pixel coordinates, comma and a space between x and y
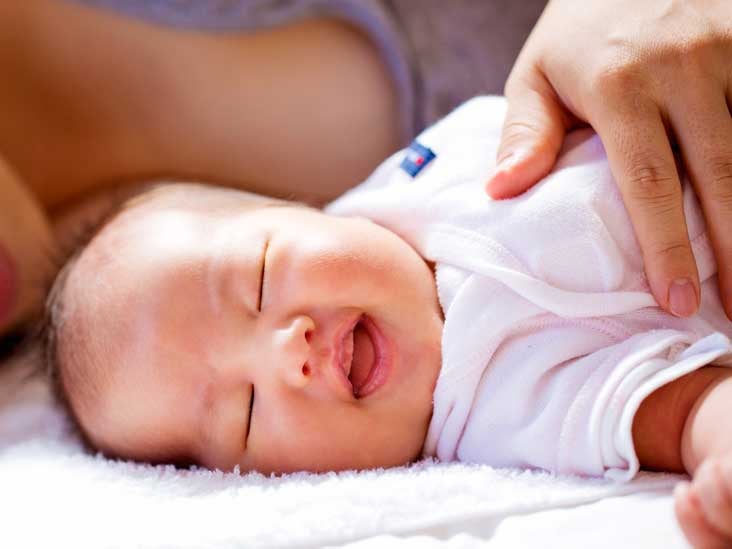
368, 369
363, 357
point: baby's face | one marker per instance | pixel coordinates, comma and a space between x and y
275, 338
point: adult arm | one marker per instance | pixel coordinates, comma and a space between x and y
647, 76
304, 111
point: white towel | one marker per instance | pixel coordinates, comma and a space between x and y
55, 495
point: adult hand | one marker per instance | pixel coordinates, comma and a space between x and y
647, 76
25, 249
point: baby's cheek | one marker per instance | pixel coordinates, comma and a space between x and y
318, 279
291, 437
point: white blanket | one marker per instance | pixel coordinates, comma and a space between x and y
52, 494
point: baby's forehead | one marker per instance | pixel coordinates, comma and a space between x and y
166, 218
170, 209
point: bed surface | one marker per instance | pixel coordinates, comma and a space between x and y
53, 494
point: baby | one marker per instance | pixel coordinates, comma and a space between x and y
413, 316
222, 328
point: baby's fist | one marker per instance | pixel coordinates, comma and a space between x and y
704, 505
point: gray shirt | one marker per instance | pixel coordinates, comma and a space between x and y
439, 52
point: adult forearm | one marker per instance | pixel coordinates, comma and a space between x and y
308, 112
305, 110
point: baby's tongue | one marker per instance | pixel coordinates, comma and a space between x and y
363, 358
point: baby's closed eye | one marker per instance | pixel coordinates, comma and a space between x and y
262, 270
249, 417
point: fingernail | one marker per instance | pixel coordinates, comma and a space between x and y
514, 158
682, 297
7, 285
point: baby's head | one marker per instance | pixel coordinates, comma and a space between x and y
215, 327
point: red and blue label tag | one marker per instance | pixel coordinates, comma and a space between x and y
417, 157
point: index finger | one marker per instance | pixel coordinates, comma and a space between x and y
705, 135
643, 164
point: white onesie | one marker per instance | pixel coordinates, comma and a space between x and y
552, 338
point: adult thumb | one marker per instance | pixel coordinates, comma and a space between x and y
533, 133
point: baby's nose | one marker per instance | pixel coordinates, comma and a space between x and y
294, 346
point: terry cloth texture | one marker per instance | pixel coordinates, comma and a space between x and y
55, 495
552, 338
439, 53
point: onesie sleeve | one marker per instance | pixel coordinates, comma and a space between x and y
650, 361
575, 415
